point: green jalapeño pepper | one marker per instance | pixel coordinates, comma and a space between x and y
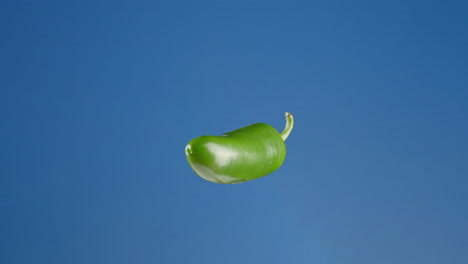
241, 155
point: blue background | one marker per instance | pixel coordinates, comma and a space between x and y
99, 98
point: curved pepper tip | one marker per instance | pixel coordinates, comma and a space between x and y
289, 126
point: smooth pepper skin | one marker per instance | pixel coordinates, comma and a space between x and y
238, 156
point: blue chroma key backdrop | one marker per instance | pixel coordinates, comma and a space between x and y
99, 98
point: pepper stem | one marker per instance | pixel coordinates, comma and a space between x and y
289, 126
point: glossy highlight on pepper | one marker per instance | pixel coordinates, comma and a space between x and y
241, 155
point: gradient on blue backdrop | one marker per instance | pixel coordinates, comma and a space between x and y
99, 98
